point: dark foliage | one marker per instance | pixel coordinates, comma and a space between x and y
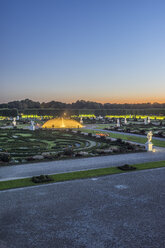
83, 107
42, 179
126, 167
68, 152
8, 112
4, 156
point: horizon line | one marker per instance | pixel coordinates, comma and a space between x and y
100, 102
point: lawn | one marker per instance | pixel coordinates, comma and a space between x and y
19, 183
137, 139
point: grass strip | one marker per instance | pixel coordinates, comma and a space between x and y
132, 138
19, 183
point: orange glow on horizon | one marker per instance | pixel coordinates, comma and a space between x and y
112, 100
129, 100
106, 100
123, 101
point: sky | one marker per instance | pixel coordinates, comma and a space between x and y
95, 50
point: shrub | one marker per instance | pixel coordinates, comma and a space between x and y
30, 158
160, 133
126, 167
68, 152
42, 179
5, 156
103, 138
119, 141
129, 146
142, 131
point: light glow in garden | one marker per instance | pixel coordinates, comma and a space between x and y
62, 123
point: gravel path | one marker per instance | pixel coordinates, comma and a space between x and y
118, 211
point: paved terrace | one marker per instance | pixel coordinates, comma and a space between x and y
118, 211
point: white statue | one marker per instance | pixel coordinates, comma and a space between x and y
118, 123
81, 120
149, 120
125, 120
149, 136
148, 144
32, 127
145, 121
100, 117
14, 122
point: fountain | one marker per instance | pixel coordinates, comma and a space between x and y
62, 123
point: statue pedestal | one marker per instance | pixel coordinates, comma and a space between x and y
149, 146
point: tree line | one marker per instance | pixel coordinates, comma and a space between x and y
96, 112
80, 104
9, 112
70, 112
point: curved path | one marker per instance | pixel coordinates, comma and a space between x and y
53, 167
131, 134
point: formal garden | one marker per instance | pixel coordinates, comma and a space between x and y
135, 126
19, 143
23, 145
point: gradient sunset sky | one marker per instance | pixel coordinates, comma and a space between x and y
97, 50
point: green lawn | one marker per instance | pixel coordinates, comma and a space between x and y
19, 183
24, 134
137, 139
102, 126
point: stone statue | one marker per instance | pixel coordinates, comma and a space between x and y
148, 144
14, 122
32, 127
145, 121
125, 120
81, 120
118, 123
149, 136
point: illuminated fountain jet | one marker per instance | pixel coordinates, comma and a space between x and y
62, 123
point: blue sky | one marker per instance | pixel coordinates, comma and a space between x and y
100, 50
